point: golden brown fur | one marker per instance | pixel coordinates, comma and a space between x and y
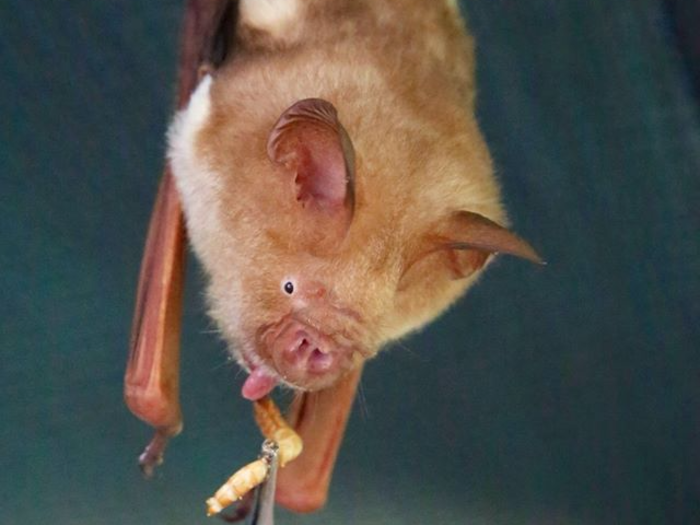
400, 73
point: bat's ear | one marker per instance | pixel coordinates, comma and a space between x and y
478, 237
463, 243
310, 142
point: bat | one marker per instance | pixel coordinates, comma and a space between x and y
336, 190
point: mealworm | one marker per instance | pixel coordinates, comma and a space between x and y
288, 446
275, 428
237, 486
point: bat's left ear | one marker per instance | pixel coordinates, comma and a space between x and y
472, 238
461, 244
312, 144
467, 230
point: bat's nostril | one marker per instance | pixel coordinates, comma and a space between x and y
303, 345
319, 361
306, 358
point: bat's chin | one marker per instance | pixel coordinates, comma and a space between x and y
261, 381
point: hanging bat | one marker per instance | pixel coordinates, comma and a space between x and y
337, 192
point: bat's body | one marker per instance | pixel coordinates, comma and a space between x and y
338, 193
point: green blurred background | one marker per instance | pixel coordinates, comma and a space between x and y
569, 395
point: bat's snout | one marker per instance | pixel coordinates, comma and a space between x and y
307, 358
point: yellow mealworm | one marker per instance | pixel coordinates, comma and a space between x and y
275, 428
237, 486
287, 445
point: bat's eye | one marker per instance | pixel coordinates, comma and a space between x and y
288, 287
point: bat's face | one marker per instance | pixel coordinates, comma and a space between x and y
311, 268
295, 320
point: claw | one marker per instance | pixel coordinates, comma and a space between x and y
152, 455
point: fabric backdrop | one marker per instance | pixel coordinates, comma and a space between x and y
566, 395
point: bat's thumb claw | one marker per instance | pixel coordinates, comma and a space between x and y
148, 463
152, 455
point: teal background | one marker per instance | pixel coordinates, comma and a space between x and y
569, 395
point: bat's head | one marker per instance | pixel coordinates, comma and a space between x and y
315, 256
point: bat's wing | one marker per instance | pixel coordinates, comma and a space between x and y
151, 383
320, 419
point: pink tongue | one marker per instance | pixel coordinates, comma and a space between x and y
258, 385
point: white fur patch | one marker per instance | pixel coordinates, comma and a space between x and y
453, 6
196, 183
200, 188
191, 119
272, 16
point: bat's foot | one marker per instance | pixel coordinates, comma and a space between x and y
152, 455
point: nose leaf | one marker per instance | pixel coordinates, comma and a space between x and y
319, 361
305, 354
307, 358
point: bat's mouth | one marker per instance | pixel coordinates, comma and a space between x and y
299, 355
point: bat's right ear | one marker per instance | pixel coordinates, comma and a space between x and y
313, 146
